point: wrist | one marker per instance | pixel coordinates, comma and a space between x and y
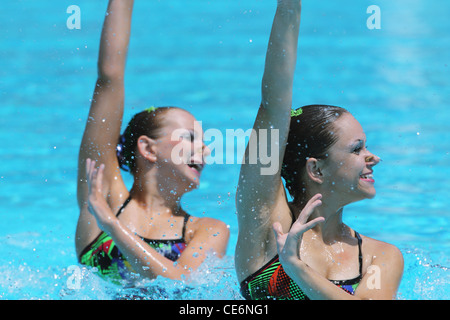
293, 262
110, 225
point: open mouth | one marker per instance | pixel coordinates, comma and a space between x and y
196, 166
367, 177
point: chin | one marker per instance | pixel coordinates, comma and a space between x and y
195, 184
192, 183
193, 176
361, 196
371, 195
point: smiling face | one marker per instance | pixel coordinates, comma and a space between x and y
348, 170
180, 150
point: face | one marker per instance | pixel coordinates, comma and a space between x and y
348, 170
180, 148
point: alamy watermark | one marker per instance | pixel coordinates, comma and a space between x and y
74, 20
74, 277
76, 274
263, 147
374, 280
260, 145
374, 20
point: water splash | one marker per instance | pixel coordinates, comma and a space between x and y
214, 280
426, 275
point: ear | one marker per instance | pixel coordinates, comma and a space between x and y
146, 147
314, 170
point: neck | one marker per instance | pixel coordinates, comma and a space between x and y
149, 193
332, 228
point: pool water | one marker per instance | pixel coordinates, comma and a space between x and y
208, 57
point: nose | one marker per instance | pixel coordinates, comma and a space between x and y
206, 150
372, 160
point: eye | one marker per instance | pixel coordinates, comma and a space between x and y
357, 149
188, 136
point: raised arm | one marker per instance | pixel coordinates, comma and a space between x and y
281, 58
105, 115
259, 195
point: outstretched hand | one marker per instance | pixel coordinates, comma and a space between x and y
288, 244
97, 204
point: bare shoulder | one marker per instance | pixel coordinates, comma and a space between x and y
383, 270
208, 233
382, 252
380, 247
208, 225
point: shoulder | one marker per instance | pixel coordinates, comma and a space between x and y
208, 233
383, 270
381, 252
208, 225
380, 247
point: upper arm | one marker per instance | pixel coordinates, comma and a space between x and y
99, 144
101, 135
259, 191
105, 115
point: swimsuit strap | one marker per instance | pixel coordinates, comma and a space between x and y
360, 252
358, 237
101, 232
124, 205
360, 257
186, 218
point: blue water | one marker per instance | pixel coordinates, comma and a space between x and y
208, 56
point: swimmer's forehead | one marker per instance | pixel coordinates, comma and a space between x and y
181, 119
349, 130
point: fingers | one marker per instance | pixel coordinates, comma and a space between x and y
94, 176
280, 238
313, 203
291, 244
99, 176
293, 238
311, 224
277, 229
278, 232
90, 167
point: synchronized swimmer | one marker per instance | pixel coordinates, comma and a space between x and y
115, 221
285, 250
302, 249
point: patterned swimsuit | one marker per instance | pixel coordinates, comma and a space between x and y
272, 283
104, 255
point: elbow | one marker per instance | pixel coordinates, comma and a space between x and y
110, 72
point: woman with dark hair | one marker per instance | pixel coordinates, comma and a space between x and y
144, 230
302, 249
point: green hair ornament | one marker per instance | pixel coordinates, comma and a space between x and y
296, 112
151, 109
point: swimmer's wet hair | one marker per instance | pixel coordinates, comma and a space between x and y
311, 134
145, 123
